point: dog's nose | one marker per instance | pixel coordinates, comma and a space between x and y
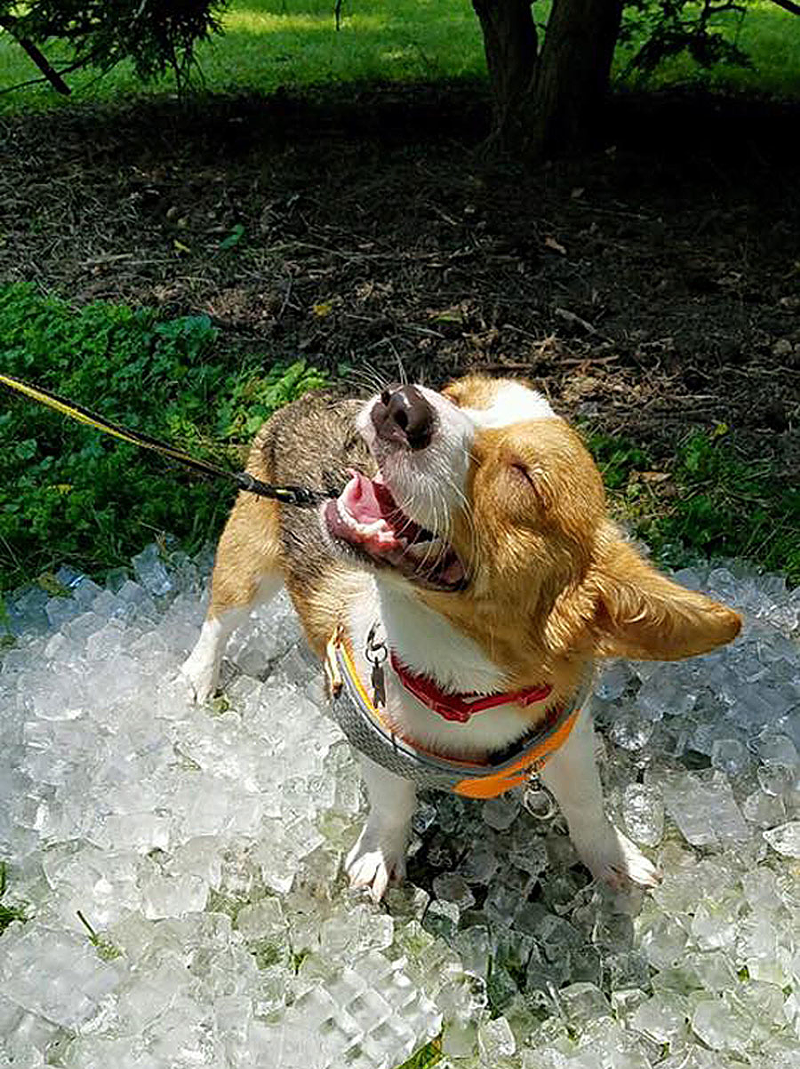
404, 415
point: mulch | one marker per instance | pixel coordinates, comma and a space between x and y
652, 286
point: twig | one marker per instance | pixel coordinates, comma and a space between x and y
89, 928
286, 298
571, 317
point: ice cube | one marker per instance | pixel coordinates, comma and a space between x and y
777, 779
479, 865
173, 896
630, 731
442, 918
450, 887
730, 756
785, 839
764, 810
55, 974
643, 814
721, 1025
473, 946
582, 1002
705, 809
149, 569
495, 1040
501, 812
613, 681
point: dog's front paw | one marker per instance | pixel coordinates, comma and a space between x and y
378, 857
200, 675
619, 863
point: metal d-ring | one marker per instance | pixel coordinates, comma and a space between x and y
536, 792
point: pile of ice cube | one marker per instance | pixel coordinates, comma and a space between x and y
202, 849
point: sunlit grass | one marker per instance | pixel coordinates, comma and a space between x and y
767, 34
293, 43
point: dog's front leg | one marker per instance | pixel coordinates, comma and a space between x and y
380, 853
571, 775
246, 573
201, 667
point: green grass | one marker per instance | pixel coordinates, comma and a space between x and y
8, 914
269, 43
272, 43
426, 1057
708, 501
72, 494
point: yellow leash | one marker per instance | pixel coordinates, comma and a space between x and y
289, 495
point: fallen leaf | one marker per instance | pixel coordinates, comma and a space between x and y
324, 308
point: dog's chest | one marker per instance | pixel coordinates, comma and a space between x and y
430, 645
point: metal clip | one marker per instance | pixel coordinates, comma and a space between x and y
376, 654
537, 799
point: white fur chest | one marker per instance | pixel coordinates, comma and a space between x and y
429, 645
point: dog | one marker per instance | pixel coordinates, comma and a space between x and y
466, 566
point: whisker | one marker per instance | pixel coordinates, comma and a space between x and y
400, 368
366, 378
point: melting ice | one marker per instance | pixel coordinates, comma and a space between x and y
203, 848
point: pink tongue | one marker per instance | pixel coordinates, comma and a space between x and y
368, 501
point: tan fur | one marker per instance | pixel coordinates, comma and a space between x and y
249, 548
474, 391
554, 585
324, 606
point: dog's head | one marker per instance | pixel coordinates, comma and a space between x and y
490, 509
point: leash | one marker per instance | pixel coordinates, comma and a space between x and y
301, 496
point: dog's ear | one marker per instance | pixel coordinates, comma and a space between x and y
641, 614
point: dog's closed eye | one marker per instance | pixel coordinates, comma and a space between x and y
530, 480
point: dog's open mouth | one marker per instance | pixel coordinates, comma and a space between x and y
369, 520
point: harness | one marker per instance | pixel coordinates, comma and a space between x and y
369, 733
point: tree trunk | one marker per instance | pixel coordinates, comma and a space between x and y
510, 43
573, 74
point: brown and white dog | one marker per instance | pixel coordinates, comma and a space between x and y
471, 526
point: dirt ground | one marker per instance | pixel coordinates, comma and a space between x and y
654, 285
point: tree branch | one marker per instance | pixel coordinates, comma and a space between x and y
788, 5
53, 77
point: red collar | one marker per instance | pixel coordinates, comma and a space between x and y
461, 707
